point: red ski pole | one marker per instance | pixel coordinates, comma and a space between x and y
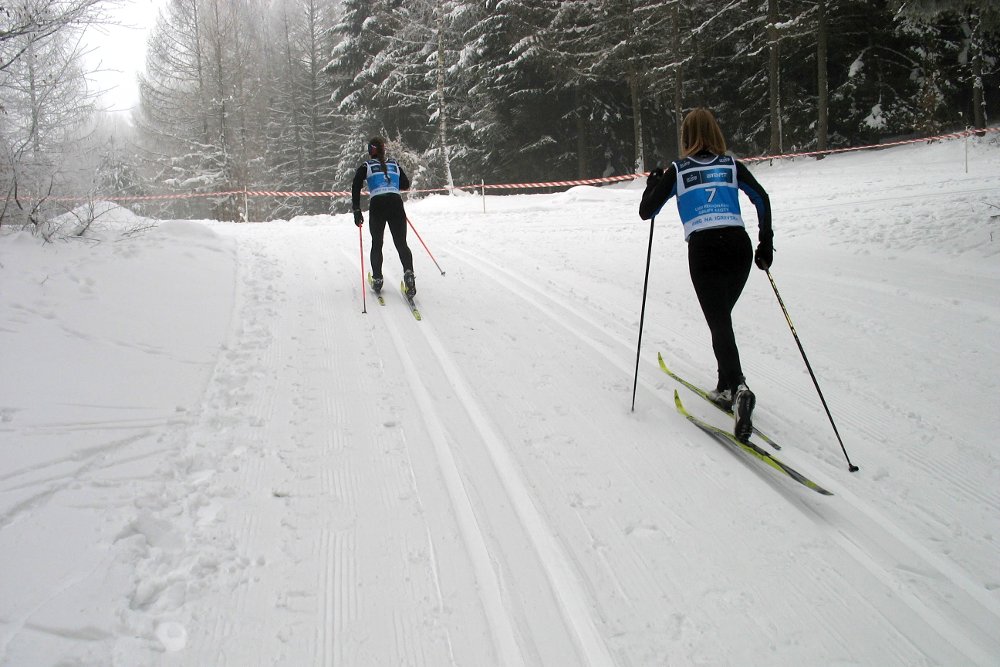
424, 244
364, 298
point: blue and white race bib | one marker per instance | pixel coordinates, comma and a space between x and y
382, 182
708, 194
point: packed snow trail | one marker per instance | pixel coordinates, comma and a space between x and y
469, 440
211, 456
323, 494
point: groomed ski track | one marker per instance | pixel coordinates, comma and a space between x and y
472, 489
884, 553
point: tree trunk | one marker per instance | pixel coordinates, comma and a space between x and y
978, 67
633, 84
200, 68
36, 142
822, 83
228, 209
312, 157
678, 76
581, 135
978, 104
442, 119
773, 74
633, 73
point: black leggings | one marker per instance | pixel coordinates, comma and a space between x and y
383, 209
719, 260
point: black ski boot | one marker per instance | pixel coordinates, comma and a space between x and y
409, 284
743, 405
721, 397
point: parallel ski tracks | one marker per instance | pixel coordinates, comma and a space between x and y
912, 581
605, 341
953, 606
575, 607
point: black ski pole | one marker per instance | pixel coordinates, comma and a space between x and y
850, 466
642, 312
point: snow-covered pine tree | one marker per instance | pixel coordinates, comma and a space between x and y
362, 103
301, 136
488, 84
602, 53
426, 51
971, 49
516, 115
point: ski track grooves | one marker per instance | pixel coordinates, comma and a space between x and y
866, 536
529, 293
575, 607
491, 594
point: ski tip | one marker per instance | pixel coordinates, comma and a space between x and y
663, 364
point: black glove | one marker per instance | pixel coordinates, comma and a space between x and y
654, 177
358, 218
764, 255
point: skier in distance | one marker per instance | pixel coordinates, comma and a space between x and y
385, 179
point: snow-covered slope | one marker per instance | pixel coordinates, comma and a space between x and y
210, 455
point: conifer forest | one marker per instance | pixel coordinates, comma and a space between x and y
282, 95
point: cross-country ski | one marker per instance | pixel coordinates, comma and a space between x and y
409, 301
726, 408
376, 292
748, 447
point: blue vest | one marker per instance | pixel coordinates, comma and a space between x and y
708, 194
379, 182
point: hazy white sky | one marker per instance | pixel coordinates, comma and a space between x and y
121, 50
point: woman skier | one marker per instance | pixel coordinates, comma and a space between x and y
706, 183
385, 179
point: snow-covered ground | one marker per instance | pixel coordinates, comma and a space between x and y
209, 455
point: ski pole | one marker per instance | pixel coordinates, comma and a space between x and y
642, 312
364, 297
424, 244
850, 466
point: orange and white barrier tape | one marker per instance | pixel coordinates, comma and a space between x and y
552, 184
482, 187
192, 195
901, 142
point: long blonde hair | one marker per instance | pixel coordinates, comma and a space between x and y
700, 132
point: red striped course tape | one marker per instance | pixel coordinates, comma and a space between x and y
518, 186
